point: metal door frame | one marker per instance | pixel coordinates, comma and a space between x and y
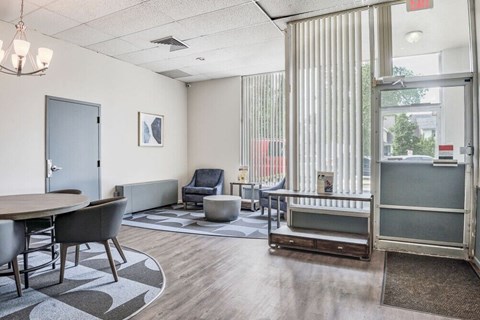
47, 135
434, 248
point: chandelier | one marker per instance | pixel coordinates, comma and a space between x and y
18, 52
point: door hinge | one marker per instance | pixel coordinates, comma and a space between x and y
98, 163
98, 119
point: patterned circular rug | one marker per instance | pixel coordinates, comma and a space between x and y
248, 225
88, 291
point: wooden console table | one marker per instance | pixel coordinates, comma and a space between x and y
315, 239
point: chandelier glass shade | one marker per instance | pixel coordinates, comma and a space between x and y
18, 52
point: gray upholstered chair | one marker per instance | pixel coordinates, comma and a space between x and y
205, 182
264, 197
44, 227
99, 222
12, 242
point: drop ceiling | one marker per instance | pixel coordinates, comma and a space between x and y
225, 37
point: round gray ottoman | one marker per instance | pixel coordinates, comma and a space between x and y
221, 207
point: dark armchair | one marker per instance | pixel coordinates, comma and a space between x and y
205, 182
99, 222
264, 197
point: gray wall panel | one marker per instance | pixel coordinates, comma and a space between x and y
148, 195
328, 222
422, 185
437, 226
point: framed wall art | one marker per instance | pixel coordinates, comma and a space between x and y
150, 130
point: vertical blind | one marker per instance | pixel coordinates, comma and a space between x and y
325, 57
263, 127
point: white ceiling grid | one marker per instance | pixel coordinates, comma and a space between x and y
235, 37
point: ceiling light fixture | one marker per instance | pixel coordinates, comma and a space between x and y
21, 48
413, 36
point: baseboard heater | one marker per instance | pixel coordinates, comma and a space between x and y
148, 195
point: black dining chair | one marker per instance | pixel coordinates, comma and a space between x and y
98, 222
41, 227
12, 243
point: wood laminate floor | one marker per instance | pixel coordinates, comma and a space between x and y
218, 278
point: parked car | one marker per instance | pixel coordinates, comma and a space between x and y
412, 158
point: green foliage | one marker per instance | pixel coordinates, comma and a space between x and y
406, 138
366, 107
426, 146
404, 135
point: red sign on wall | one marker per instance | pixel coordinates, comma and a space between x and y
414, 5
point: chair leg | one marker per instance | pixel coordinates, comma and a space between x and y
110, 260
52, 249
63, 258
263, 210
87, 245
77, 254
119, 249
16, 273
25, 261
184, 206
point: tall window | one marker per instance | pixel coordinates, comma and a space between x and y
263, 127
326, 65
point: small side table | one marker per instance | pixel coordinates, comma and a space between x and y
250, 204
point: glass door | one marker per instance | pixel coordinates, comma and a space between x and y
424, 164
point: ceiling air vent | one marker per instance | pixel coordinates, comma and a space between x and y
174, 74
174, 44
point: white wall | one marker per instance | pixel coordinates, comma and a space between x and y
120, 88
214, 126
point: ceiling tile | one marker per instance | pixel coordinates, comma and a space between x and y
41, 3
113, 47
237, 37
270, 54
83, 35
181, 9
49, 23
143, 16
142, 39
87, 10
165, 65
275, 8
225, 19
199, 77
145, 56
10, 10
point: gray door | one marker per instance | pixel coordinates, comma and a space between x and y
73, 146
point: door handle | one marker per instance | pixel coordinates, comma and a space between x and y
51, 168
55, 168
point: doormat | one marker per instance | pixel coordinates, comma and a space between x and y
435, 285
88, 290
248, 225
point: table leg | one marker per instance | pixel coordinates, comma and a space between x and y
278, 212
231, 189
269, 215
252, 205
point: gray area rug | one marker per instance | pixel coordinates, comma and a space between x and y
88, 291
249, 225
441, 286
